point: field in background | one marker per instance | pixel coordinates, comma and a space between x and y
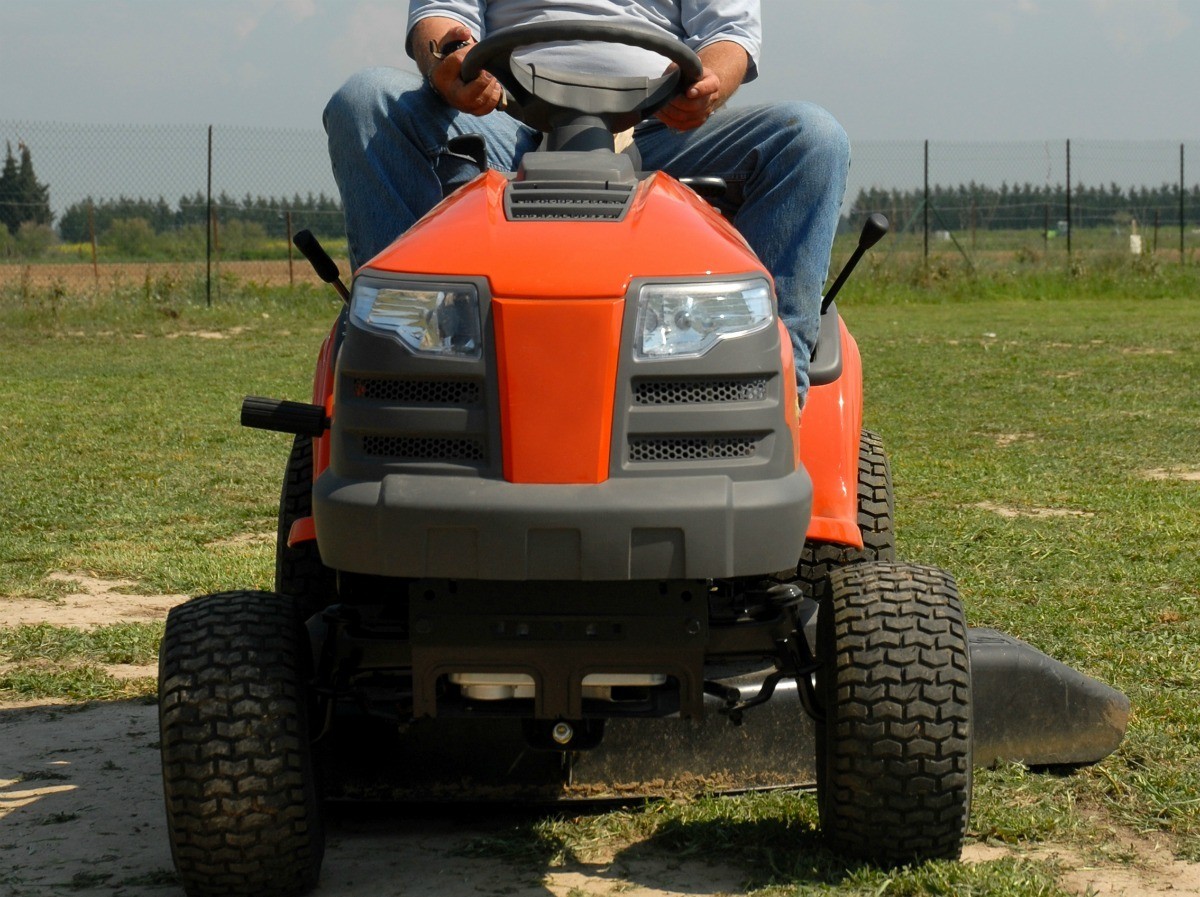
1044, 430
76, 277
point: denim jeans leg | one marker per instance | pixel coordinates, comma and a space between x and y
388, 134
788, 162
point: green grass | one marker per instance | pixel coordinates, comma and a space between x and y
129, 643
770, 839
1023, 409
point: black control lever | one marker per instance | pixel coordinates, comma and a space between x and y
872, 232
325, 267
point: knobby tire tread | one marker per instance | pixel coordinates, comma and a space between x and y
894, 750
242, 805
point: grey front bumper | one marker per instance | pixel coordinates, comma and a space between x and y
465, 527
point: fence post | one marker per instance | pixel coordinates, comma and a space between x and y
208, 218
925, 204
92, 237
1046, 229
1070, 219
287, 216
216, 239
1182, 227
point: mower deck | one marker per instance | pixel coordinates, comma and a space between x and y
1029, 708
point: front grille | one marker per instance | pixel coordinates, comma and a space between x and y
694, 392
540, 201
692, 448
422, 448
419, 392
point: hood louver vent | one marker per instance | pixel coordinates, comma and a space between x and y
543, 201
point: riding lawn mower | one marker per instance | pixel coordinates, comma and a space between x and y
554, 526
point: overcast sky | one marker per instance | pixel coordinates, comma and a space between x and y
889, 69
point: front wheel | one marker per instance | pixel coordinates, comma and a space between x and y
894, 747
243, 811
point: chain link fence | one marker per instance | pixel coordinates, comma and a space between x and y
1036, 200
198, 197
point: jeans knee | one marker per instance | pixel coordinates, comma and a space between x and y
813, 131
366, 97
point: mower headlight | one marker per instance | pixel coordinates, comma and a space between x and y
687, 319
429, 319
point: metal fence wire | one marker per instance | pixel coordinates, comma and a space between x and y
187, 194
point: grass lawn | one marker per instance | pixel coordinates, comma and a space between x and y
1044, 433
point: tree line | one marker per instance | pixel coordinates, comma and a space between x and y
319, 213
1029, 207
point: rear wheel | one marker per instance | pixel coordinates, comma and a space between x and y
299, 572
876, 507
243, 812
894, 744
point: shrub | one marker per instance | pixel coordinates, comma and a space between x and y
130, 237
34, 240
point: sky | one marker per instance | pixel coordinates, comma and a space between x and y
965, 70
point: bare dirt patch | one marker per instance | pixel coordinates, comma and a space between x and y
1191, 475
1151, 870
209, 334
1004, 440
89, 602
244, 540
1038, 513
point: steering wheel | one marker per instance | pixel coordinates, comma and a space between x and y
544, 97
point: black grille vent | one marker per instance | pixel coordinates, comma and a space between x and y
423, 448
692, 448
542, 201
694, 392
419, 392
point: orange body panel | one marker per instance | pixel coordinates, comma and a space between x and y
323, 395
558, 299
304, 529
829, 433
668, 232
558, 369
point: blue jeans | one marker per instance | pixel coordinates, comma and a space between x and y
786, 164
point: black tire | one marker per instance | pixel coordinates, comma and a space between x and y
243, 810
876, 509
894, 747
299, 572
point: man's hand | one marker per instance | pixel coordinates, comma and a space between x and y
725, 65
479, 97
693, 109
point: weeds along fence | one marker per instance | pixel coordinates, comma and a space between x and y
78, 198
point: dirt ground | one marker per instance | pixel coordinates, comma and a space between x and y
81, 812
107, 275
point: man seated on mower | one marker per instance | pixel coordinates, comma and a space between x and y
785, 164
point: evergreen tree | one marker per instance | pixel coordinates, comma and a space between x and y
35, 196
10, 209
22, 197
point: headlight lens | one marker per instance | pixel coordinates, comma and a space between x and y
687, 319
429, 319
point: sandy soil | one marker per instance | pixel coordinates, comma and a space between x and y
81, 812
